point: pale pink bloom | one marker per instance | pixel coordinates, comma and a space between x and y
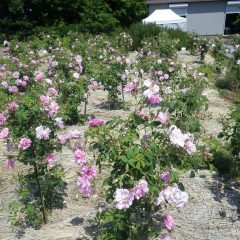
153, 89
88, 172
52, 91
96, 122
25, 78
177, 137
160, 73
118, 59
166, 76
165, 176
24, 143
155, 99
13, 89
4, 84
171, 69
23, 84
74, 134
84, 186
76, 75
3, 119
62, 138
123, 198
142, 113
59, 122
159, 61
49, 81
161, 200
50, 158
162, 117
141, 189
10, 163
189, 146
45, 100
80, 157
130, 87
42, 132
38, 75
173, 194
4, 133
168, 221
53, 108
16, 74
93, 86
78, 59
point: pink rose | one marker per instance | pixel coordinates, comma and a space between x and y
162, 117
96, 122
84, 186
168, 221
80, 157
123, 198
165, 176
24, 143
89, 172
4, 133
141, 189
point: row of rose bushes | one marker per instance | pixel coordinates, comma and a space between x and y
43, 80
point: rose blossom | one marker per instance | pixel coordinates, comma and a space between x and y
42, 132
153, 89
25, 78
168, 221
62, 138
50, 159
96, 122
59, 122
177, 137
162, 117
89, 172
45, 100
80, 157
84, 186
16, 74
154, 99
13, 106
165, 176
3, 119
123, 198
4, 84
53, 108
4, 133
141, 189
52, 91
175, 195
13, 89
24, 143
189, 146
130, 87
74, 134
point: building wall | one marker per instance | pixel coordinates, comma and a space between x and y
153, 7
206, 18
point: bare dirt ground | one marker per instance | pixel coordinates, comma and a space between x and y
212, 213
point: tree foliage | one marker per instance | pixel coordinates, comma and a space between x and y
90, 15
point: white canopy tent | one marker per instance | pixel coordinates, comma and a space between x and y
167, 18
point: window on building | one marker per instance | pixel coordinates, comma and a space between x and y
179, 8
232, 23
